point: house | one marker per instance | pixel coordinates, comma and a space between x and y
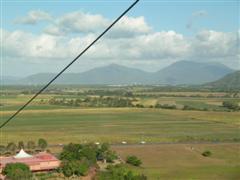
42, 161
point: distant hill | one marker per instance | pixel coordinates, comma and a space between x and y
9, 80
183, 72
111, 74
229, 82
187, 72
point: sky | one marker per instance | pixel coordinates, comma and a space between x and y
43, 36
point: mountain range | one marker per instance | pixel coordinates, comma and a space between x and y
229, 82
181, 72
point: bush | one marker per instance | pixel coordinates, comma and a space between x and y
186, 107
20, 145
2, 149
133, 160
111, 156
207, 153
119, 172
77, 158
42, 143
166, 106
12, 147
231, 105
75, 167
17, 171
31, 145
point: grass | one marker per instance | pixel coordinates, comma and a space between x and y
64, 124
184, 161
117, 124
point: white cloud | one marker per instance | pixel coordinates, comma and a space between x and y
33, 17
213, 44
161, 45
153, 47
79, 22
129, 26
130, 40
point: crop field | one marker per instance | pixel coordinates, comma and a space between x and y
115, 125
175, 138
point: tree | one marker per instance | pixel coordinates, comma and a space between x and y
111, 156
90, 153
119, 172
207, 153
17, 171
2, 149
20, 145
31, 145
231, 105
105, 147
42, 143
133, 160
74, 167
12, 147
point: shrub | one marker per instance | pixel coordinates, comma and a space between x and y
111, 156
31, 145
119, 172
133, 160
207, 153
42, 143
186, 107
166, 106
74, 167
2, 149
12, 147
17, 171
20, 145
231, 105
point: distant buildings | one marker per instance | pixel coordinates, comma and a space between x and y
42, 161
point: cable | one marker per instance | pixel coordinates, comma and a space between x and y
66, 67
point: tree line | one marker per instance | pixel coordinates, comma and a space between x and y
30, 147
93, 102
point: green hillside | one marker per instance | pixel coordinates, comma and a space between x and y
228, 82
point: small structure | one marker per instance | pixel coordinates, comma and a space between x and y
124, 142
42, 161
22, 154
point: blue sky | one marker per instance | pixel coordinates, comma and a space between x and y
183, 26
221, 15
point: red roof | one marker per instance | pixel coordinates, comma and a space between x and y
36, 159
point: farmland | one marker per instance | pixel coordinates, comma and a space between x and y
116, 114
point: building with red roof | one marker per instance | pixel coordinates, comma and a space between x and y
42, 161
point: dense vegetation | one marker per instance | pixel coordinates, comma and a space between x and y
93, 102
17, 171
133, 160
232, 105
119, 172
30, 146
207, 153
78, 158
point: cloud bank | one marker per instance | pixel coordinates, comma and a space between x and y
131, 40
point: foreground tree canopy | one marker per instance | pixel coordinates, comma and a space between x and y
17, 171
119, 172
78, 158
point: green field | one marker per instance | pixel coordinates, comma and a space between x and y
115, 125
184, 161
61, 124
